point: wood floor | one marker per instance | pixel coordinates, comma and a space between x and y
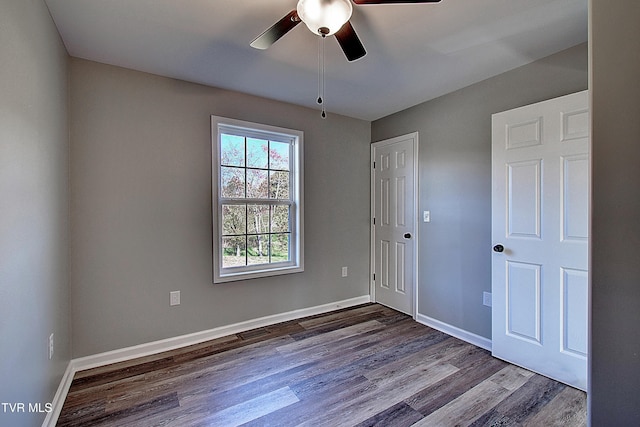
362, 366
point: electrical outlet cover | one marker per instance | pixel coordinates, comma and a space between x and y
486, 298
174, 298
51, 346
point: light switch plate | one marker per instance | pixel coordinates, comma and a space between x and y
426, 216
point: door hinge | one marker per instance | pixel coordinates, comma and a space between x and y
374, 221
374, 165
374, 277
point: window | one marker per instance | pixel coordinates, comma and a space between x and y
257, 200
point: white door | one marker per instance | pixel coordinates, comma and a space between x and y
540, 232
393, 224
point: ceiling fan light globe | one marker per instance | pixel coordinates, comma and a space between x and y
324, 14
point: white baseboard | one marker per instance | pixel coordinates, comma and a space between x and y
58, 400
173, 343
469, 337
147, 349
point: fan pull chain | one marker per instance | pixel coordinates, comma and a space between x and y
319, 71
321, 78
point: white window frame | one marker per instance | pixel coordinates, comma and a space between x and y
295, 138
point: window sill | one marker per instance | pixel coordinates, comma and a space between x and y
256, 274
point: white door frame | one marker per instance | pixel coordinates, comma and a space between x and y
416, 234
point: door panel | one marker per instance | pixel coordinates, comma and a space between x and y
523, 199
393, 206
540, 214
401, 260
575, 294
575, 197
523, 301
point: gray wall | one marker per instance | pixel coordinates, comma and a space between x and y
614, 393
34, 201
141, 204
455, 180
141, 209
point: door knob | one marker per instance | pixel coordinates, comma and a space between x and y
498, 248
407, 235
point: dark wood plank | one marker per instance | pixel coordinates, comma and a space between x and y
307, 409
523, 403
473, 370
566, 409
480, 399
360, 366
399, 415
136, 413
120, 373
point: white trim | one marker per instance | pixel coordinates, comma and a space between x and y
454, 331
416, 223
58, 399
372, 231
173, 343
147, 349
295, 139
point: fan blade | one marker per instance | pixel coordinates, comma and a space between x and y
393, 1
349, 42
276, 31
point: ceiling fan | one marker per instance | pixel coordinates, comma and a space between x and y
325, 18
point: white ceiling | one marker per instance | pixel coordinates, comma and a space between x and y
415, 52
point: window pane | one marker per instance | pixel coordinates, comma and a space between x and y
232, 182
257, 197
258, 219
257, 184
231, 150
257, 156
278, 155
234, 220
279, 185
280, 219
280, 247
258, 249
234, 252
